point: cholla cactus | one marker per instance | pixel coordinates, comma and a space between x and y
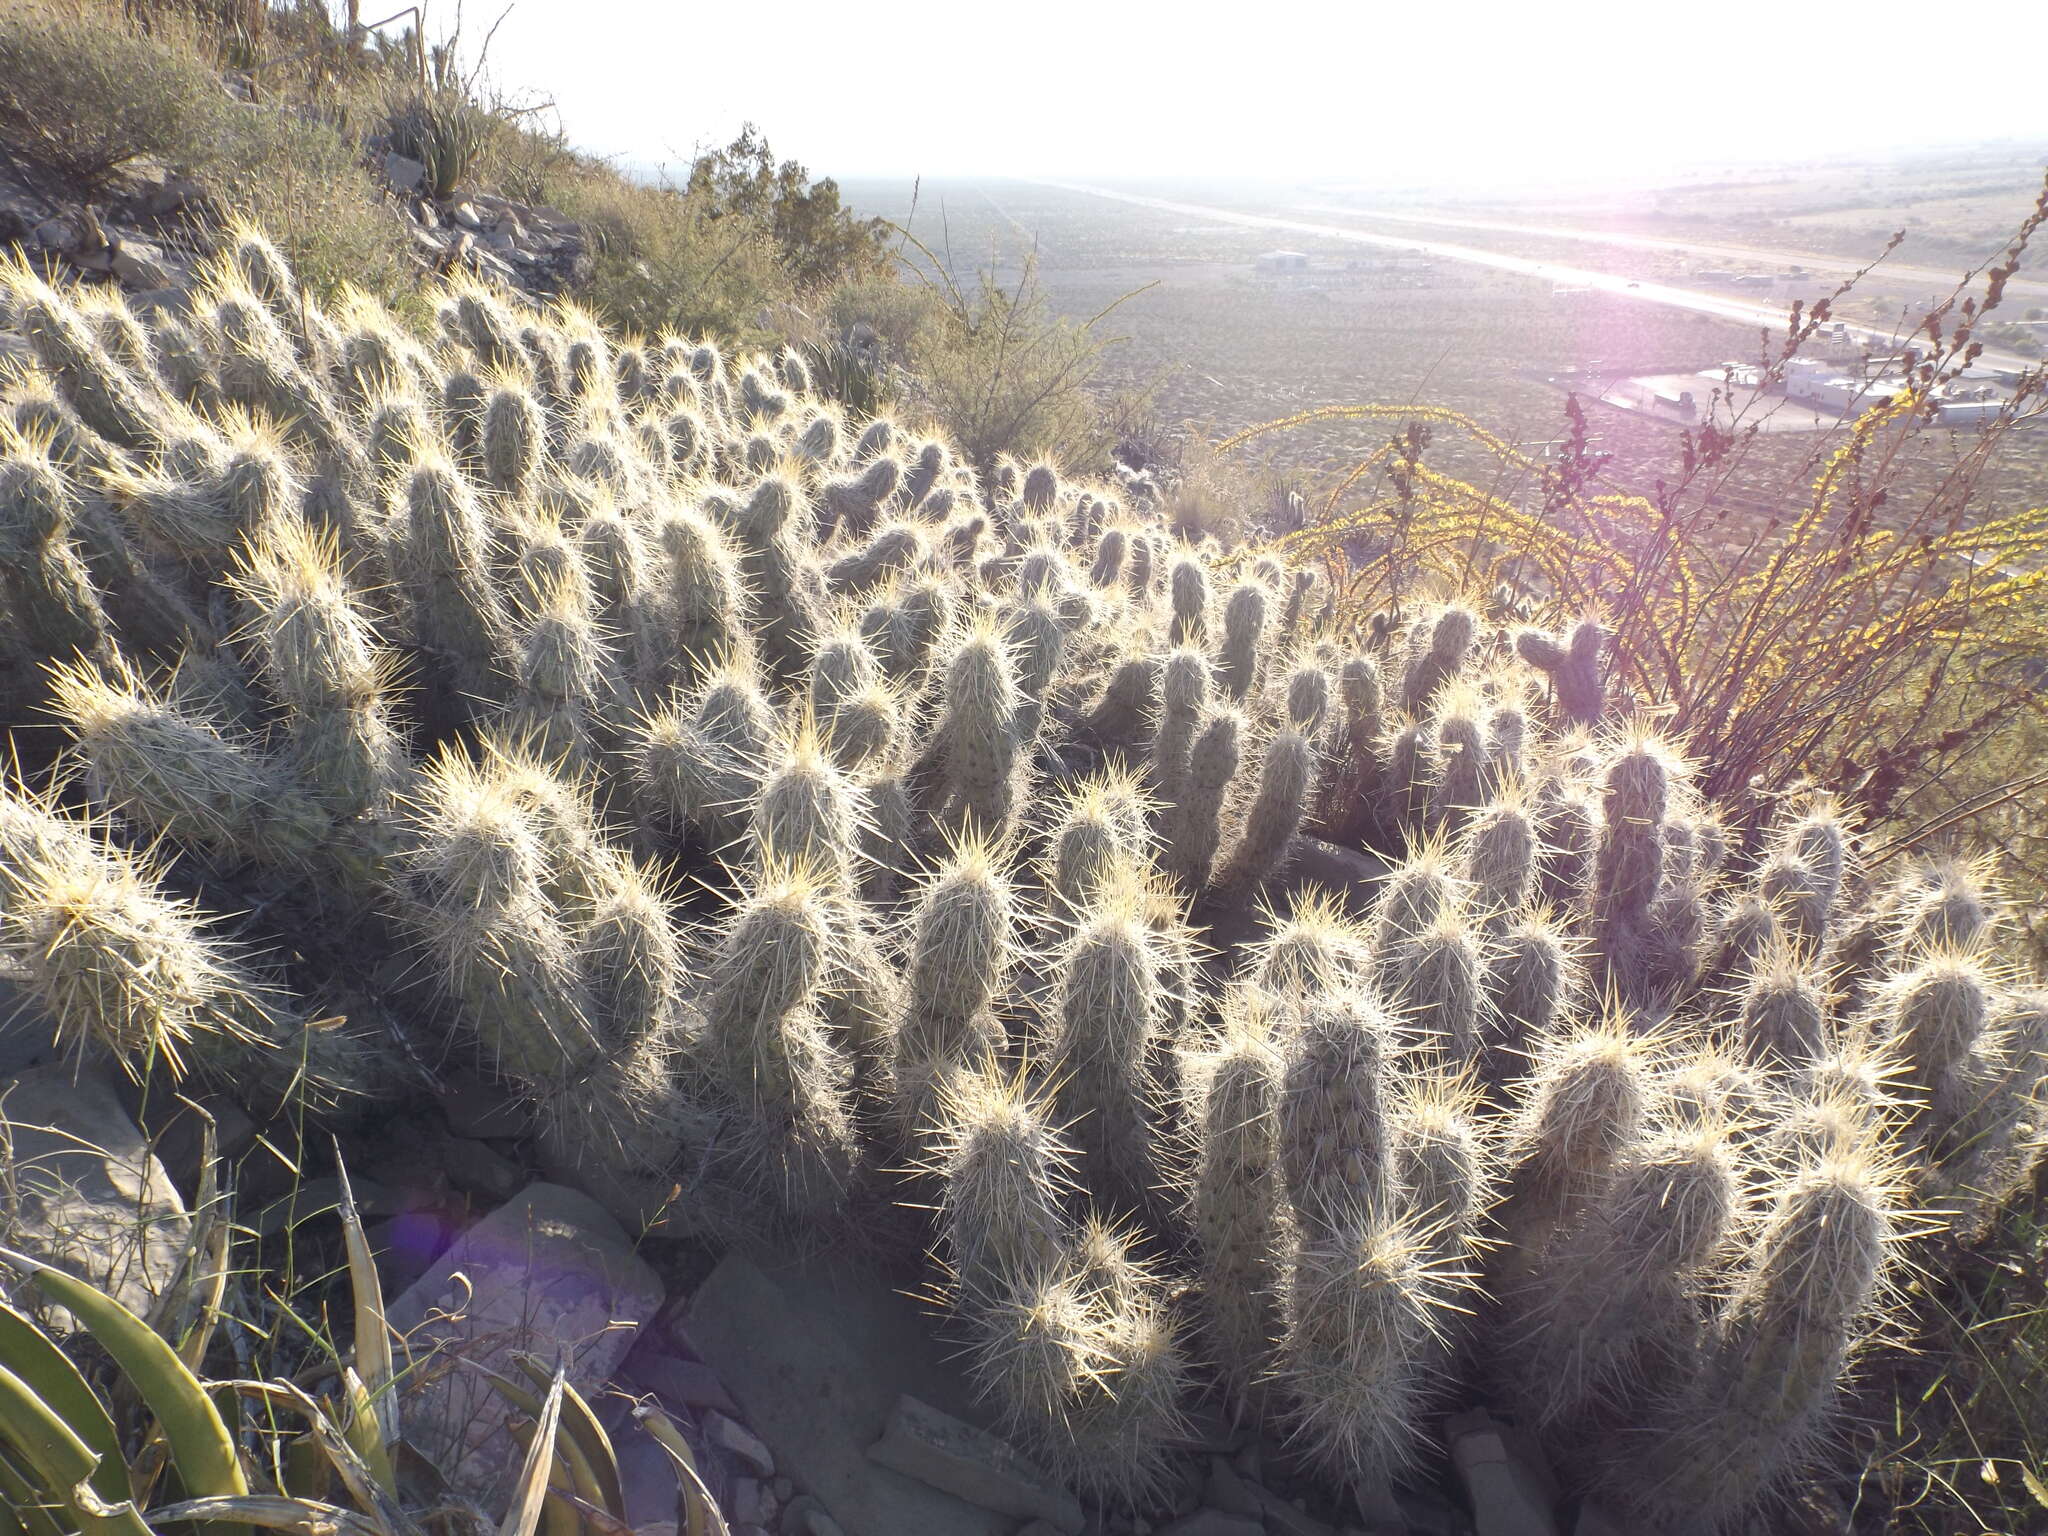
962, 941
978, 742
1194, 825
1236, 1200
1758, 1395
1362, 1354
450, 666
1107, 1010
1087, 1378
1004, 1172
1313, 948
1628, 871
1335, 1152
767, 1046
1279, 803
1244, 630
1574, 667
124, 969
320, 657
1584, 1107
1615, 1308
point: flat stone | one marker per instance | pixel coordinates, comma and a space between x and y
680, 1383
481, 1109
140, 265
734, 1438
84, 1192
179, 1134
746, 1501
1282, 1517
28, 1035
1212, 1522
1507, 1495
466, 215
403, 172
1228, 1492
938, 1449
472, 1166
816, 1357
547, 1273
805, 1516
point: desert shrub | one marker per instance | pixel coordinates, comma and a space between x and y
664, 259
818, 240
296, 174
530, 164
1003, 374
81, 95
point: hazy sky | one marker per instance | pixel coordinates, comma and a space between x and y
1421, 90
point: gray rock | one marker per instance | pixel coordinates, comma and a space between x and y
785, 1490
1227, 1491
174, 302
466, 215
1353, 877
807, 1517
83, 1191
140, 265
689, 1384
548, 1273
816, 1355
479, 1108
938, 1449
179, 1133
28, 1035
734, 1438
404, 173
1212, 1522
472, 1166
1285, 1519
1507, 1494
169, 196
314, 1203
746, 1501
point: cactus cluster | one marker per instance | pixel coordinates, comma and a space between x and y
776, 804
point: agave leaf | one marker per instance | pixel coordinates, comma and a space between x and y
700, 1512
60, 1460
303, 1517
373, 1333
561, 1510
356, 1477
530, 1492
365, 1431
24, 1501
200, 1445
33, 1356
587, 1436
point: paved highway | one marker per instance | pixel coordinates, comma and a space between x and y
1887, 274
1771, 317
